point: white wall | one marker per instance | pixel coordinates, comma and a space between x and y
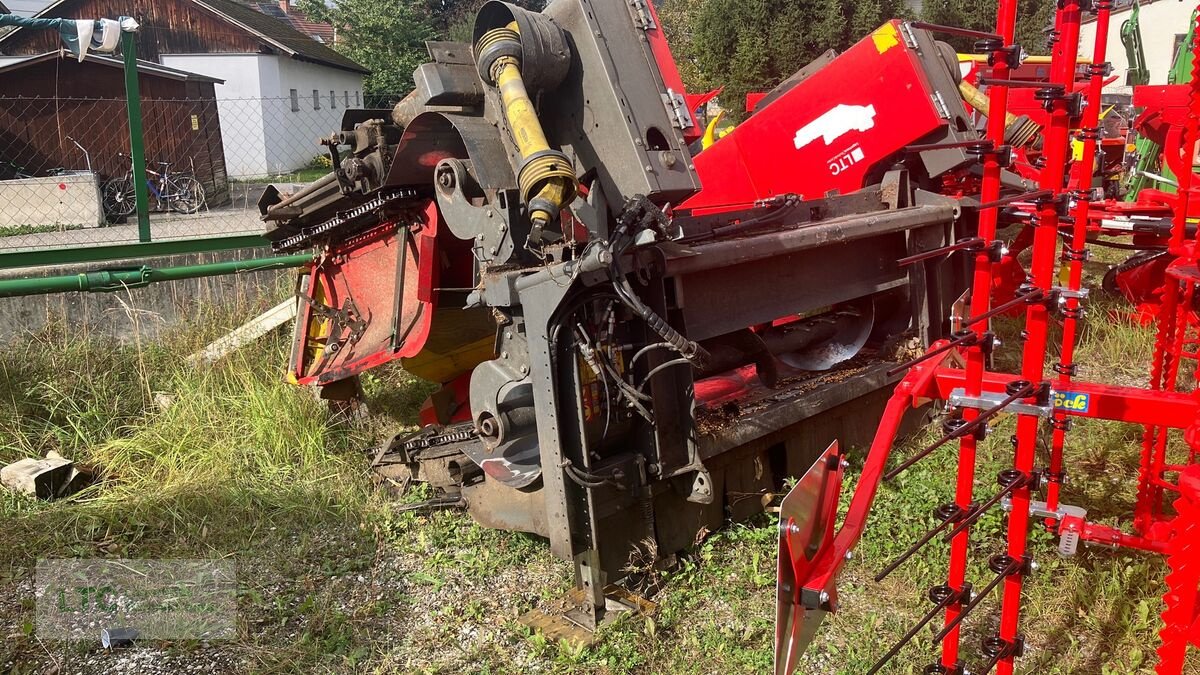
292, 136
263, 135
1161, 21
239, 102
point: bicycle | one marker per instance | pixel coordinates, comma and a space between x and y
182, 192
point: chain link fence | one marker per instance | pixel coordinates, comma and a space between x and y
66, 177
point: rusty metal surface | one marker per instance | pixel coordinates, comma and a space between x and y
553, 623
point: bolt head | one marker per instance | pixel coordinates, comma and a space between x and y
824, 597
849, 555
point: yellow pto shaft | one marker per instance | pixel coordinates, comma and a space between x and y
545, 176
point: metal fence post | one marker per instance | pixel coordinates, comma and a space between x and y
137, 144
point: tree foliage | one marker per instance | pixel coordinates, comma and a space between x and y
388, 36
749, 45
752, 45
1033, 20
385, 36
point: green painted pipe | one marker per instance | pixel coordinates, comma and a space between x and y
119, 279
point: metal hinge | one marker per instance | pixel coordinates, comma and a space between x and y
909, 38
677, 109
642, 15
939, 104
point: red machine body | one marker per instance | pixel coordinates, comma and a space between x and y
852, 118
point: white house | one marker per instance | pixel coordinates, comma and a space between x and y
1164, 25
283, 89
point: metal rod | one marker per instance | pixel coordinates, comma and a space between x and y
981, 143
107, 281
1078, 241
137, 143
953, 623
1012, 84
1056, 150
916, 547
1000, 309
954, 30
980, 302
962, 431
978, 512
1027, 196
957, 342
934, 253
945, 602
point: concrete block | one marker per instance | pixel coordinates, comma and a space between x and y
68, 200
42, 478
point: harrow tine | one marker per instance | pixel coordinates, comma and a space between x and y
949, 513
1005, 201
1009, 480
954, 30
946, 597
1025, 298
985, 81
982, 144
1004, 567
960, 245
963, 430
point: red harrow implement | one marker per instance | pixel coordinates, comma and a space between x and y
1166, 517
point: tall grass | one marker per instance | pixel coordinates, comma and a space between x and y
226, 450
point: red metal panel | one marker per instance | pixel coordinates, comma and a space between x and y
362, 273
826, 133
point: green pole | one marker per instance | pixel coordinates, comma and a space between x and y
137, 143
108, 281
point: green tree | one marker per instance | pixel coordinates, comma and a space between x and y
386, 36
752, 45
1034, 18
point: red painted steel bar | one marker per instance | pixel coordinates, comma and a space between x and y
1045, 246
976, 356
1074, 250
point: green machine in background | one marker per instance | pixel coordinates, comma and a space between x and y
1149, 167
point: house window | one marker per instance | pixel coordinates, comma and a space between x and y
347, 94
356, 102
316, 99
332, 99
295, 100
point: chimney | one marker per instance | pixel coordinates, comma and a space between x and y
283, 6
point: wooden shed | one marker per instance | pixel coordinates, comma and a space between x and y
50, 99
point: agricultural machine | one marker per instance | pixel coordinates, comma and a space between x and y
637, 337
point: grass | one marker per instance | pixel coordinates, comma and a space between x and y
21, 230
230, 462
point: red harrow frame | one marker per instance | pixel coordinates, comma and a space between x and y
956, 371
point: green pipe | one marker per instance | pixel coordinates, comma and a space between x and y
119, 279
137, 141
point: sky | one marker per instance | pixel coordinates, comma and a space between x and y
26, 7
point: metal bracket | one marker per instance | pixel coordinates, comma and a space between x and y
1070, 294
677, 109
959, 399
642, 16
